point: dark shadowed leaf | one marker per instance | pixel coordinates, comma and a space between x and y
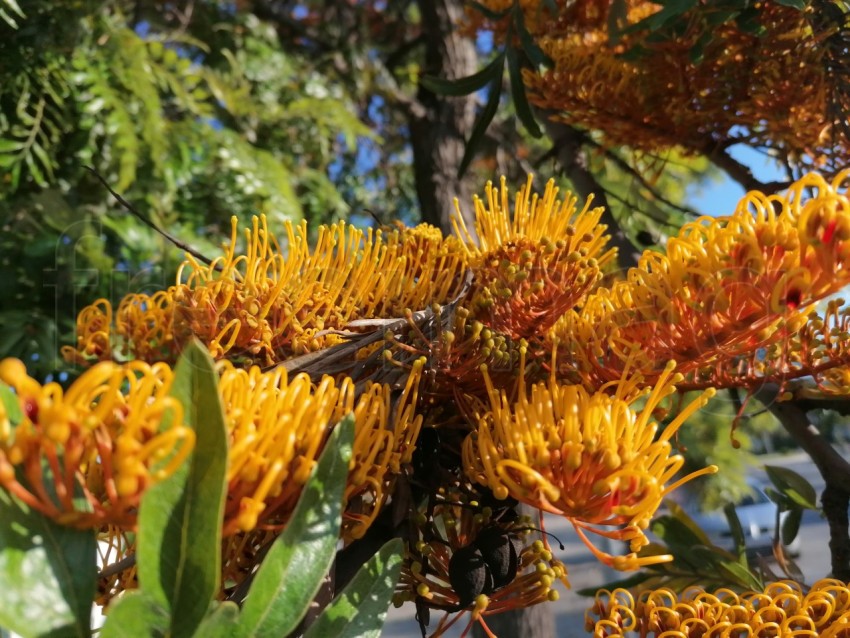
481, 124
791, 525
736, 530
469, 84
523, 109
486, 11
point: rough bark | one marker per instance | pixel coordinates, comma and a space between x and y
439, 135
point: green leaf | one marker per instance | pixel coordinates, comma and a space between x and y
469, 84
743, 575
135, 614
617, 19
480, 128
792, 485
535, 54
791, 525
737, 530
10, 145
47, 573
11, 405
180, 518
295, 566
680, 516
221, 622
523, 109
361, 608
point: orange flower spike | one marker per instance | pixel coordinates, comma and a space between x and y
94, 329
533, 265
590, 458
723, 285
103, 437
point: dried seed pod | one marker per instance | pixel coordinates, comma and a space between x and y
469, 575
500, 552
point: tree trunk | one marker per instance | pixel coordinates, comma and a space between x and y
439, 136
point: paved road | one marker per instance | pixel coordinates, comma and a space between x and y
585, 571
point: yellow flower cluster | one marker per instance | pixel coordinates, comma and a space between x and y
268, 304
534, 265
782, 609
723, 287
592, 458
104, 441
538, 382
116, 430
278, 428
666, 97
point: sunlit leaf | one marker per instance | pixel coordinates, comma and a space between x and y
179, 555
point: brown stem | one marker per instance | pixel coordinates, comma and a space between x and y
741, 173
834, 469
835, 502
573, 159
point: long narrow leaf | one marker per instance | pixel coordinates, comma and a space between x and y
523, 109
179, 542
361, 608
468, 84
482, 123
300, 558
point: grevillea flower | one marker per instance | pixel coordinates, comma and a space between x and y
782, 609
724, 287
278, 427
453, 541
592, 458
112, 434
268, 304
534, 265
665, 97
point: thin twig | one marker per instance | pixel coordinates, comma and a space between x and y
116, 568
129, 208
631, 170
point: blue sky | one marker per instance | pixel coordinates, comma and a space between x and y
720, 197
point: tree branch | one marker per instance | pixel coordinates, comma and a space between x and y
834, 469
572, 157
624, 166
741, 173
